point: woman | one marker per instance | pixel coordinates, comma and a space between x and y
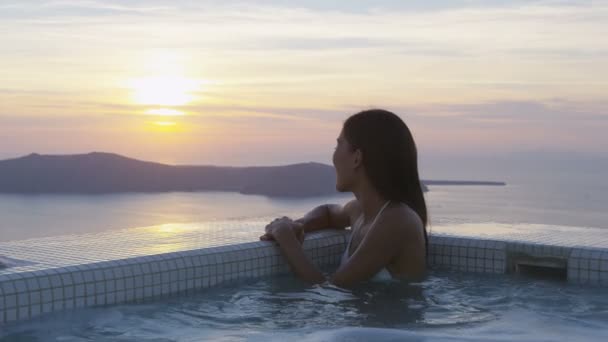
375, 159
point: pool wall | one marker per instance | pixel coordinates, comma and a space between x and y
25, 294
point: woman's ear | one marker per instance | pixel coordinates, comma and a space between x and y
358, 158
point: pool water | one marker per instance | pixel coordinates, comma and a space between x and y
447, 306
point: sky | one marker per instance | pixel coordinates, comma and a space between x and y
270, 82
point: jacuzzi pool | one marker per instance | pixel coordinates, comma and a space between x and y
199, 281
447, 306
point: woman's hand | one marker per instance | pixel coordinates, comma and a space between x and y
289, 236
283, 225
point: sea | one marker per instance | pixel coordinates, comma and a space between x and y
547, 196
447, 306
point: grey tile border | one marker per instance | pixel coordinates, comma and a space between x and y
29, 294
105, 281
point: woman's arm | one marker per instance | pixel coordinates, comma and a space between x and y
328, 216
325, 216
377, 249
294, 253
379, 246
394, 232
322, 217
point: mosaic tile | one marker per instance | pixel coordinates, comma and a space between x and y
129, 265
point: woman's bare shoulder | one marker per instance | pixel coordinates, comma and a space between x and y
402, 217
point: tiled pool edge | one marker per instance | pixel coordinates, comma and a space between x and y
27, 295
583, 265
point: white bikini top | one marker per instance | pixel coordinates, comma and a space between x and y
383, 273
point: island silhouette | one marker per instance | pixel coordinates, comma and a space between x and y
100, 172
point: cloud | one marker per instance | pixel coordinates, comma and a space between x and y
25, 8
561, 111
465, 73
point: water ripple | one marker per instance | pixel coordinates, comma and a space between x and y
489, 307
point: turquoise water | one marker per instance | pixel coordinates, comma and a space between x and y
446, 307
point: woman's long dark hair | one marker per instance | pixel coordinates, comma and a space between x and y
390, 158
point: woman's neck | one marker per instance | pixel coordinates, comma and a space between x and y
371, 201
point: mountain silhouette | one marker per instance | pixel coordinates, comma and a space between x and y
98, 172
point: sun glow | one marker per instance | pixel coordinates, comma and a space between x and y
164, 123
164, 112
163, 90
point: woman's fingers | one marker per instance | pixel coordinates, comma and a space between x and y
284, 218
268, 228
266, 237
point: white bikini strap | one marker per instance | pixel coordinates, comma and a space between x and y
380, 212
359, 226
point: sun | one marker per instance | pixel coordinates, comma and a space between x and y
163, 90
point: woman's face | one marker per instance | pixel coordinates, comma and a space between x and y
346, 161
